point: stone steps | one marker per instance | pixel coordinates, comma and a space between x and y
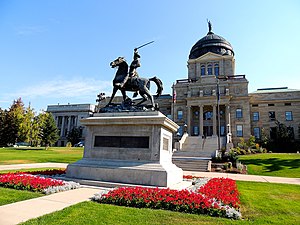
191, 163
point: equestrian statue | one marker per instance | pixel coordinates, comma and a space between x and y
129, 80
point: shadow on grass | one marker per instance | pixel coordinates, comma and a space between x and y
273, 164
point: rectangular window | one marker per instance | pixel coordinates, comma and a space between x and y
179, 115
287, 104
239, 113
256, 132
255, 116
255, 105
272, 116
270, 104
202, 70
196, 130
239, 130
288, 116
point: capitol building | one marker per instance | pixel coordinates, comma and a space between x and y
212, 102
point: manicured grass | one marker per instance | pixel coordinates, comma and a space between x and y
53, 154
8, 195
271, 164
262, 203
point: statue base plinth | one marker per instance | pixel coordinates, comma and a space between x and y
128, 147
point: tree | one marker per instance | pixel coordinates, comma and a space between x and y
12, 122
74, 135
2, 119
49, 132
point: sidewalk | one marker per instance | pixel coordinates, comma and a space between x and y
33, 165
18, 212
244, 177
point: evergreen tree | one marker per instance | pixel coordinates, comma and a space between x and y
12, 122
49, 132
2, 119
74, 136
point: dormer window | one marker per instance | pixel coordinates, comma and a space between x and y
209, 69
216, 69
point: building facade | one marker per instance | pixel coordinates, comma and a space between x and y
68, 117
214, 101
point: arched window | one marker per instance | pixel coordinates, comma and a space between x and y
202, 70
209, 69
216, 69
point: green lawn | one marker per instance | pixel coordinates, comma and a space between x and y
273, 164
262, 203
53, 154
8, 195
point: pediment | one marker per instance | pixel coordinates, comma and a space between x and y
209, 56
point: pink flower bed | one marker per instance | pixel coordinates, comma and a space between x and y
209, 199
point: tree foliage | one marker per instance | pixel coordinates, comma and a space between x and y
48, 129
74, 135
20, 124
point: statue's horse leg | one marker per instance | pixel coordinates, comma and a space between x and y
145, 93
124, 95
113, 95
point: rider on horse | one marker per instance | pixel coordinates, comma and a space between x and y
132, 69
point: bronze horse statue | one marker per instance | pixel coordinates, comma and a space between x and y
134, 84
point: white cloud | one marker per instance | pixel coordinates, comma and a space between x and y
29, 30
59, 88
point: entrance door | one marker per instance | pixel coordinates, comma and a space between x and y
208, 130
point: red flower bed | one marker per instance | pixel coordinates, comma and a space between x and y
222, 189
212, 200
27, 182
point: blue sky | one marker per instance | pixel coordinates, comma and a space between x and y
58, 51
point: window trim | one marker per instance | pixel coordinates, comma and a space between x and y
255, 118
259, 133
291, 116
237, 131
239, 113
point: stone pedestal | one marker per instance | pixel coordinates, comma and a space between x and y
128, 147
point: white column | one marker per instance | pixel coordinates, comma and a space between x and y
189, 120
69, 123
201, 120
62, 126
214, 120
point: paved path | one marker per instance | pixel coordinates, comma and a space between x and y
22, 211
32, 165
244, 177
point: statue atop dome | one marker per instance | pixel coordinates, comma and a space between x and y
209, 26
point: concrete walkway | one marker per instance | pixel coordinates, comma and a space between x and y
22, 211
244, 177
33, 165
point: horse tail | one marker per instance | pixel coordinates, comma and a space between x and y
159, 85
